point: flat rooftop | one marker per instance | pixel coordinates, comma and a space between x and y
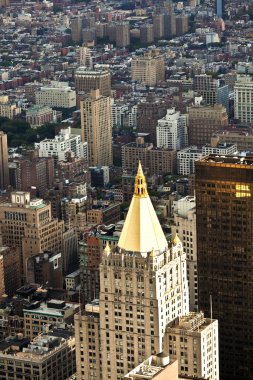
228, 160
45, 309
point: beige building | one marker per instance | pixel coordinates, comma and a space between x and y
28, 224
87, 335
148, 69
122, 34
185, 227
8, 109
56, 95
143, 286
2, 287
50, 357
96, 128
157, 367
4, 169
193, 341
87, 80
204, 121
243, 138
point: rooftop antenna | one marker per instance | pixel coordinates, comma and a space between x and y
211, 307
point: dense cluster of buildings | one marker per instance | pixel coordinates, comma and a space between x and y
126, 209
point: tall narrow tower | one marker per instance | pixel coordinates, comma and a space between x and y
96, 128
4, 169
143, 286
224, 209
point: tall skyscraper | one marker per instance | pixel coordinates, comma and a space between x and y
219, 8
224, 208
4, 169
96, 128
143, 286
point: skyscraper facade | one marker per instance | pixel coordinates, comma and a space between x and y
96, 128
204, 121
4, 169
224, 209
143, 286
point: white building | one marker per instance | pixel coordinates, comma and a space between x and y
61, 145
118, 111
243, 92
171, 130
84, 57
185, 227
223, 149
212, 37
186, 160
193, 341
56, 95
132, 117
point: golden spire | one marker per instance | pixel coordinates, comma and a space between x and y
142, 231
140, 186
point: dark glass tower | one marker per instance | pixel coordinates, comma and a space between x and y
224, 208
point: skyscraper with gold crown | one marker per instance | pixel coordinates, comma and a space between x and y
143, 287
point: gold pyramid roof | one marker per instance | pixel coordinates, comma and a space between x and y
142, 231
176, 239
